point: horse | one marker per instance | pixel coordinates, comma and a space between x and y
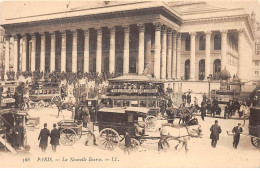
186, 114
70, 105
179, 133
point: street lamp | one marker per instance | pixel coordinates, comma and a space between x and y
209, 80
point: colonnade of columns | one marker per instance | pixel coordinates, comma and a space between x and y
167, 51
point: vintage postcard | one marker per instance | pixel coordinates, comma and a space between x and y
126, 84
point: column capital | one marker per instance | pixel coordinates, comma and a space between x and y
208, 32
74, 33
164, 29
169, 31
99, 30
126, 28
193, 34
86, 32
223, 32
52, 34
7, 37
15, 36
33, 36
174, 33
157, 26
241, 31
178, 35
141, 27
112, 29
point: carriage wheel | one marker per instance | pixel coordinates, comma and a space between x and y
150, 121
55, 101
135, 144
255, 142
108, 139
67, 137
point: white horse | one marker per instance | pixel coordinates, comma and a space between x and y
179, 133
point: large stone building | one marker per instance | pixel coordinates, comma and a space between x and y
172, 40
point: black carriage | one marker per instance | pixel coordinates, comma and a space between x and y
114, 122
9, 117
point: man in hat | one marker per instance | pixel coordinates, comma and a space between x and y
184, 98
237, 130
215, 131
55, 138
18, 135
43, 137
128, 143
189, 98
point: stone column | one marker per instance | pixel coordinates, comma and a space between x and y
157, 50
24, 51
164, 48
223, 49
52, 57
112, 50
86, 50
178, 56
33, 52
74, 51
99, 50
242, 63
42, 63
140, 69
207, 59
192, 55
126, 49
169, 54
16, 54
63, 51
7, 52
174, 55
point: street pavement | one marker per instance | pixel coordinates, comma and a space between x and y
200, 153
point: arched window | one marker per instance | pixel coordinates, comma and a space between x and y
119, 65
187, 43
202, 42
201, 69
217, 42
187, 69
216, 69
106, 64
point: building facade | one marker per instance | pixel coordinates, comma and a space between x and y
174, 40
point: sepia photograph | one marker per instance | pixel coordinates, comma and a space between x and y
130, 84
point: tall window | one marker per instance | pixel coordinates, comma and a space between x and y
217, 42
187, 43
201, 69
217, 69
187, 69
202, 42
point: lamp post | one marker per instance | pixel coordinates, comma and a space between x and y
209, 80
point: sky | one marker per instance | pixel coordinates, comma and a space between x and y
12, 9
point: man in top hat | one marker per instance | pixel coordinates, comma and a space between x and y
215, 131
237, 130
43, 137
55, 138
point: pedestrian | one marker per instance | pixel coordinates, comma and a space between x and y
203, 110
204, 97
237, 130
128, 143
184, 97
18, 135
43, 137
215, 131
189, 98
55, 138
